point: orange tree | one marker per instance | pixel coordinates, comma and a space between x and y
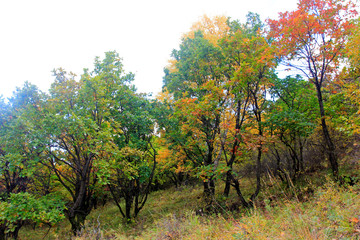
311, 39
173, 163
218, 80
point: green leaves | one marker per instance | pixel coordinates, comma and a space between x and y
26, 207
294, 107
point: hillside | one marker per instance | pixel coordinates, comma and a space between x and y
316, 208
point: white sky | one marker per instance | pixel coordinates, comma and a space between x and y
38, 36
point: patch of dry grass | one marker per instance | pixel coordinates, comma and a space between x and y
329, 212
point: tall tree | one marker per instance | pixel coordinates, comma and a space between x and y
134, 159
348, 84
311, 39
250, 62
77, 131
70, 135
199, 103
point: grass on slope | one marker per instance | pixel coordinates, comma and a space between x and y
307, 212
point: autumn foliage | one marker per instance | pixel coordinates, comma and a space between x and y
226, 123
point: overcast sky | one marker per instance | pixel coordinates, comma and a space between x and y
38, 36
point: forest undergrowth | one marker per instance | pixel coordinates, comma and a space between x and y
314, 207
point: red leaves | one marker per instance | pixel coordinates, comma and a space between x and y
324, 17
316, 32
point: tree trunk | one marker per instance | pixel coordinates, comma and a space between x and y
128, 205
227, 183
301, 147
238, 191
15, 233
209, 191
258, 175
279, 170
10, 235
328, 141
2, 231
77, 221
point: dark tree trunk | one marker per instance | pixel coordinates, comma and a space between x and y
227, 183
77, 221
209, 183
128, 206
257, 112
15, 233
301, 147
82, 206
236, 185
2, 232
10, 235
279, 170
258, 175
328, 141
238, 124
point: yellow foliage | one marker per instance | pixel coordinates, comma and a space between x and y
352, 46
164, 95
213, 28
172, 65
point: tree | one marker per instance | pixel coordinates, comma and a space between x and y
19, 165
219, 81
25, 207
172, 161
198, 105
311, 39
291, 119
69, 137
77, 131
352, 50
250, 64
132, 166
213, 29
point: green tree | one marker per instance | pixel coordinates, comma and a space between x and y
133, 161
25, 207
19, 162
77, 134
292, 119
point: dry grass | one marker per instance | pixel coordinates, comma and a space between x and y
302, 212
